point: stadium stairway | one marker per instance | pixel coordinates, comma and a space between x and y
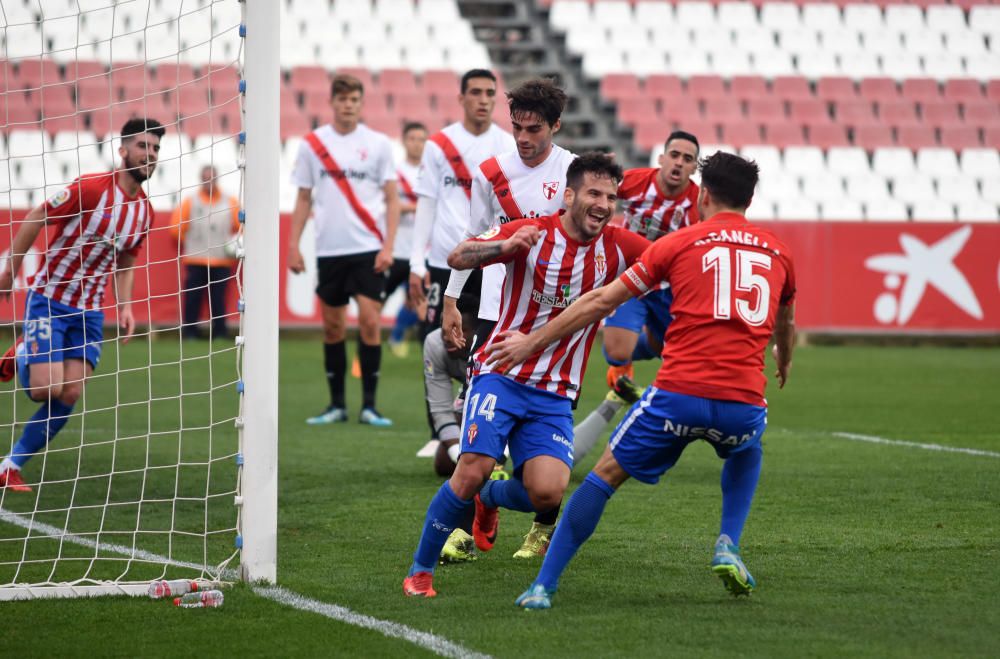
522, 44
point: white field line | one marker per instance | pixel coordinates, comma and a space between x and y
436, 644
927, 447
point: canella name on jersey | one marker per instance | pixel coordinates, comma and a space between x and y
736, 237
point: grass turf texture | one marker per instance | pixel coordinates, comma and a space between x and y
858, 549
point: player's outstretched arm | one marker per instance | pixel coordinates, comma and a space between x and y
124, 282
25, 237
383, 260
300, 214
515, 347
423, 222
784, 342
474, 253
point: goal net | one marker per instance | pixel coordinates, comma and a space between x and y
146, 479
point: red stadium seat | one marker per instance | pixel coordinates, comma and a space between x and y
873, 136
963, 90
132, 74
916, 137
69, 123
828, 136
855, 112
391, 125
960, 137
809, 112
318, 106
940, 113
364, 75
722, 110
707, 132
170, 76
393, 81
636, 111
791, 88
679, 108
310, 79
223, 82
57, 100
836, 89
617, 86
441, 83
879, 90
747, 88
784, 134
991, 137
921, 90
981, 113
898, 113
18, 111
765, 109
192, 100
91, 98
663, 86
706, 87
292, 125
741, 134
412, 105
993, 90
33, 73
83, 69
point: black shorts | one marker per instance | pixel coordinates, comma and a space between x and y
439, 284
344, 277
399, 275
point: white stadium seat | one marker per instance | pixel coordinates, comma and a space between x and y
913, 188
798, 41
439, 11
696, 14
944, 65
946, 18
587, 37
736, 15
797, 208
985, 19
977, 210
847, 161
937, 162
822, 186
732, 63
612, 13
984, 67
860, 64
804, 160
348, 10
838, 39
904, 18
893, 161
768, 158
980, 163
866, 187
760, 209
991, 192
567, 14
956, 188
777, 184
644, 61
776, 63
933, 210
818, 64
628, 36
394, 11
689, 63
753, 39
863, 17
841, 209
654, 13
886, 210
780, 16
600, 61
881, 42
902, 65
821, 16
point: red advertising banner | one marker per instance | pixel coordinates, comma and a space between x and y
899, 277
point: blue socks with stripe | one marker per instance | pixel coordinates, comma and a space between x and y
40, 429
739, 482
405, 319
508, 494
443, 515
578, 522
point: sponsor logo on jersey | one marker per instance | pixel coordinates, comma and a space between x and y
353, 174
560, 301
59, 198
550, 189
455, 181
472, 432
492, 232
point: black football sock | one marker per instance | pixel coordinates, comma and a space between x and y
548, 517
371, 361
335, 361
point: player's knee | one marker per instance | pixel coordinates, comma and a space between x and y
467, 481
618, 353
444, 466
333, 333
545, 498
44, 392
70, 394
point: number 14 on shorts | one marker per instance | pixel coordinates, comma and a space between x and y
486, 410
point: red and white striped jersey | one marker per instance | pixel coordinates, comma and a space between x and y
648, 211
97, 221
544, 280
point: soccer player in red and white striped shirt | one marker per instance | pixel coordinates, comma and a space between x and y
550, 262
103, 220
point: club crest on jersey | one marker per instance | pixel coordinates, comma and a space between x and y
59, 198
363, 154
473, 431
489, 233
600, 264
550, 189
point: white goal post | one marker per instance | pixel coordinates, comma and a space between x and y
167, 465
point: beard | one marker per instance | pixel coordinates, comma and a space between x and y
135, 170
580, 210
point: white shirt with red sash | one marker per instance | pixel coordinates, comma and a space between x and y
506, 189
407, 175
347, 223
448, 181
97, 221
541, 282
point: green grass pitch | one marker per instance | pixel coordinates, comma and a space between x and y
859, 549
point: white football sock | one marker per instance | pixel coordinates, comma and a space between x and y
586, 434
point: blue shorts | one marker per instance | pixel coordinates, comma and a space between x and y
651, 310
55, 332
658, 428
499, 411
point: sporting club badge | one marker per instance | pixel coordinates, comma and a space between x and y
59, 198
550, 189
363, 154
600, 264
489, 233
473, 431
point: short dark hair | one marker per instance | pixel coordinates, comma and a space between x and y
476, 73
729, 178
413, 125
140, 125
600, 164
539, 96
682, 135
345, 84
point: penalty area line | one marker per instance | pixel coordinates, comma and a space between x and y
436, 644
873, 439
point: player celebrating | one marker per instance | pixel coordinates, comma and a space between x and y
733, 284
550, 261
523, 183
407, 171
445, 188
657, 201
356, 207
102, 221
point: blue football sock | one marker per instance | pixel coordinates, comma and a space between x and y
405, 319
739, 482
40, 429
643, 350
578, 522
443, 515
508, 494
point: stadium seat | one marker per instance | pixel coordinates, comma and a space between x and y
705, 87
921, 90
947, 18
842, 209
663, 86
680, 109
879, 90
776, 63
797, 41
822, 186
898, 113
566, 14
818, 16
642, 61
826, 136
836, 89
866, 187
760, 210
765, 109
855, 112
767, 157
977, 210
981, 113
991, 137
940, 113
695, 14
780, 16
722, 110
893, 162
937, 162
777, 184
600, 62
916, 137
963, 90
847, 160
861, 64
808, 112
980, 163
956, 187
747, 87
933, 210
886, 210
803, 160
960, 137
949, 65
619, 86
741, 133
791, 88
784, 134
796, 208
913, 188
873, 137
612, 13
636, 111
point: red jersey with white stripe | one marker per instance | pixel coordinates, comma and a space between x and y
542, 281
649, 211
728, 279
97, 221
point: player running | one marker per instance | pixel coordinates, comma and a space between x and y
102, 221
550, 262
733, 286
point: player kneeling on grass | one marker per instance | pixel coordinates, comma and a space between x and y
733, 284
550, 262
63, 317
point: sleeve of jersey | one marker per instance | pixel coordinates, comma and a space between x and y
481, 215
303, 175
632, 245
644, 275
430, 175
67, 202
388, 165
498, 233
